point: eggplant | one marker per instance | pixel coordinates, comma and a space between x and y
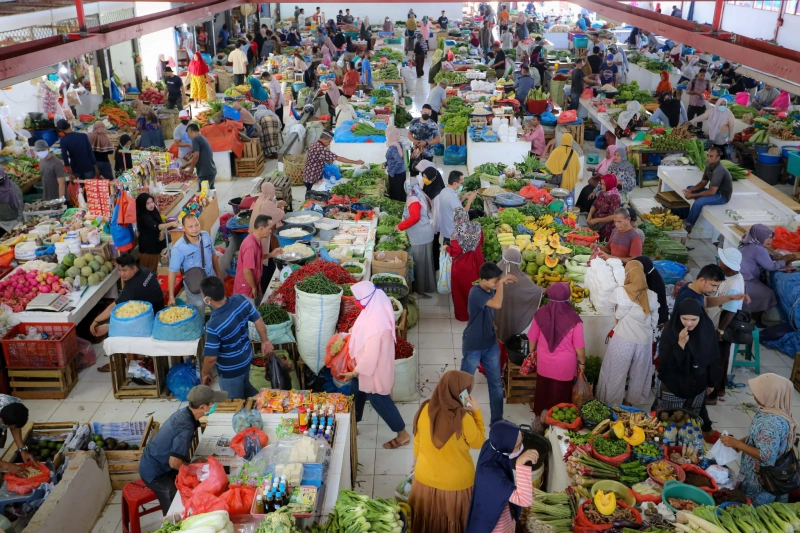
622, 523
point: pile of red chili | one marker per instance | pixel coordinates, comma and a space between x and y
346, 320
403, 349
285, 295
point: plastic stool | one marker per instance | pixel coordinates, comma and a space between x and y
750, 351
134, 496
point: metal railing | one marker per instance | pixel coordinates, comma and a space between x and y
32, 33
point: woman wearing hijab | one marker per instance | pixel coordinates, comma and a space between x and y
332, 94
345, 111
351, 79
371, 345
445, 430
152, 235
771, 433
11, 204
564, 162
765, 97
590, 191
149, 129
122, 157
329, 46
417, 223
499, 496
294, 39
664, 86
629, 356
432, 178
197, 76
519, 305
267, 204
670, 112
257, 90
388, 25
721, 124
556, 337
419, 56
522, 26
655, 283
395, 164
688, 356
102, 148
757, 260
622, 169
689, 70
601, 214
465, 249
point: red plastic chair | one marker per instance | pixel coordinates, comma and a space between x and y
134, 496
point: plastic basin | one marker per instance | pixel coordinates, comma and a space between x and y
623, 493
287, 219
767, 159
679, 474
676, 489
286, 241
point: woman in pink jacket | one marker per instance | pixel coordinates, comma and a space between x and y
371, 344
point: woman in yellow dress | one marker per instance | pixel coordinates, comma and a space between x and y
197, 73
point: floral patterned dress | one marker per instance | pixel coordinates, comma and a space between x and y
605, 205
769, 433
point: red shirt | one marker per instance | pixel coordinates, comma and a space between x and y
250, 256
625, 244
351, 80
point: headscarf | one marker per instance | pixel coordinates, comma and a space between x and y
198, 67
333, 93
757, 234
717, 117
414, 192
257, 90
445, 410
610, 181
557, 163
494, 480
774, 393
520, 304
326, 57
767, 96
636, 285
655, 283
124, 138
376, 317
388, 25
468, 234
632, 109
267, 204
557, 317
782, 101
393, 139
99, 138
689, 71
671, 108
602, 168
142, 213
328, 44
623, 170
702, 346
7, 195
664, 85
433, 182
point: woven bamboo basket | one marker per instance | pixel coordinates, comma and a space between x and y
293, 166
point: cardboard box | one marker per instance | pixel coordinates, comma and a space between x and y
387, 263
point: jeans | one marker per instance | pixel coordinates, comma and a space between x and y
106, 171
238, 388
490, 358
695, 110
196, 301
173, 102
238, 79
85, 175
383, 405
699, 203
164, 488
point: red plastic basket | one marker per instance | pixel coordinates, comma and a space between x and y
537, 107
163, 281
41, 353
585, 240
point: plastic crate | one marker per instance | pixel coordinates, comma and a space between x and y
793, 167
41, 353
581, 42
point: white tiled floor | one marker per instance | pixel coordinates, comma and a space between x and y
438, 342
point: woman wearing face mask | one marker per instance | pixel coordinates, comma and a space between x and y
417, 224
499, 496
395, 164
54, 179
721, 123
102, 148
267, 204
122, 157
371, 344
152, 235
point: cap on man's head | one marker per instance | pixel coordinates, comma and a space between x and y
205, 395
183, 114
731, 258
63, 124
41, 145
167, 69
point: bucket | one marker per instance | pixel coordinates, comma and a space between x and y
761, 147
768, 159
50, 136
515, 346
590, 135
591, 159
286, 241
234, 203
676, 489
742, 98
769, 173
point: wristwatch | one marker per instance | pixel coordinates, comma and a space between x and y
24, 449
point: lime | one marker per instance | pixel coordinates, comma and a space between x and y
45, 453
53, 445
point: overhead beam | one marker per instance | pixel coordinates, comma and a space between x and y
17, 59
770, 59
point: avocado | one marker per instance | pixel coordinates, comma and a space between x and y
121, 446
45, 453
110, 443
133, 447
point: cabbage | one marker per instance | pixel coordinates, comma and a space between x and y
215, 520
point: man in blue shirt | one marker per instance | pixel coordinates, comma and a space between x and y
479, 340
186, 254
366, 69
706, 284
76, 152
169, 449
228, 341
223, 37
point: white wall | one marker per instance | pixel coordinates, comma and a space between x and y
703, 11
152, 45
122, 61
755, 23
21, 99
51, 16
378, 11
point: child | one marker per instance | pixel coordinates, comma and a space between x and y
479, 342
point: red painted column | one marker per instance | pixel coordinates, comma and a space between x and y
717, 15
81, 16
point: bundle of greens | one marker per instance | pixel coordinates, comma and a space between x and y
491, 246
365, 130
401, 117
513, 184
696, 152
737, 172
472, 183
494, 169
630, 91
456, 123
530, 163
345, 189
382, 93
453, 78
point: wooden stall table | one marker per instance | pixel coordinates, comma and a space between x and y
400, 84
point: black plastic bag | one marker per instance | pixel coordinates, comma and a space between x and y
278, 374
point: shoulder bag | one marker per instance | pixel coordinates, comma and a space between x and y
784, 476
195, 275
556, 179
740, 329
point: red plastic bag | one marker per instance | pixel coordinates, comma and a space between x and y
203, 502
340, 361
237, 442
187, 480
568, 116
613, 461
587, 525
587, 94
784, 240
26, 485
86, 354
550, 421
127, 209
188, 483
694, 469
239, 498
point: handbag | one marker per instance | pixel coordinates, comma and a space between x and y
740, 329
556, 179
784, 476
195, 275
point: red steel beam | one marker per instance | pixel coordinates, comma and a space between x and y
715, 25
81, 16
771, 59
18, 59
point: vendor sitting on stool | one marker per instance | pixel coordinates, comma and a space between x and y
169, 449
140, 284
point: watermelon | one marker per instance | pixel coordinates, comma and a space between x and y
69, 259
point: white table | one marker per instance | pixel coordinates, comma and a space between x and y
83, 303
647, 80
479, 153
586, 109
150, 347
560, 40
367, 152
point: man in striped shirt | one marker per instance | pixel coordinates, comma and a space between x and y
228, 341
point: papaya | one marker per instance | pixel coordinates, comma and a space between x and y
554, 241
605, 502
551, 261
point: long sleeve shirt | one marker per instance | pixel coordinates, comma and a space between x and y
414, 210
756, 258
522, 496
375, 364
395, 164
660, 118
536, 137
76, 152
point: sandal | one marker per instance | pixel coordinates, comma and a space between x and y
105, 368
394, 443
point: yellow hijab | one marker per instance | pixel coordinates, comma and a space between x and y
557, 162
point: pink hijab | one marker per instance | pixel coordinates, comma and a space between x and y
333, 92
267, 204
376, 317
557, 318
393, 139
602, 168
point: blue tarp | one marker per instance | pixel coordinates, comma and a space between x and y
342, 134
787, 288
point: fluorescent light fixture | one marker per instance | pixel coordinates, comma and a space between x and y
38, 73
778, 83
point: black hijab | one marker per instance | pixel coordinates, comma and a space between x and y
338, 39
437, 182
143, 214
671, 108
656, 284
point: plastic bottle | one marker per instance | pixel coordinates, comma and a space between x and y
278, 502
328, 433
682, 433
671, 434
269, 505
260, 505
690, 436
282, 487
570, 202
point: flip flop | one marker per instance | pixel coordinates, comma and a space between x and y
394, 443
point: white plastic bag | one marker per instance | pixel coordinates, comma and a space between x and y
316, 319
406, 379
723, 454
445, 266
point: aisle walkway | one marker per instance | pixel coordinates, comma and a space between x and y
438, 342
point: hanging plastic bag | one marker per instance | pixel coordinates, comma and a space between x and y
528, 365
337, 356
581, 391
26, 485
121, 235
86, 354
239, 499
443, 284
331, 171
180, 380
279, 376
127, 208
671, 271
723, 454
237, 442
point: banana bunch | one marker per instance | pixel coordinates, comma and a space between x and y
505, 228
505, 238
546, 220
664, 218
577, 293
538, 94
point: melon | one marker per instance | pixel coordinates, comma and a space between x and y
109, 265
69, 259
87, 257
60, 272
70, 280
94, 279
79, 262
82, 281
95, 266
73, 272
87, 271
104, 270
